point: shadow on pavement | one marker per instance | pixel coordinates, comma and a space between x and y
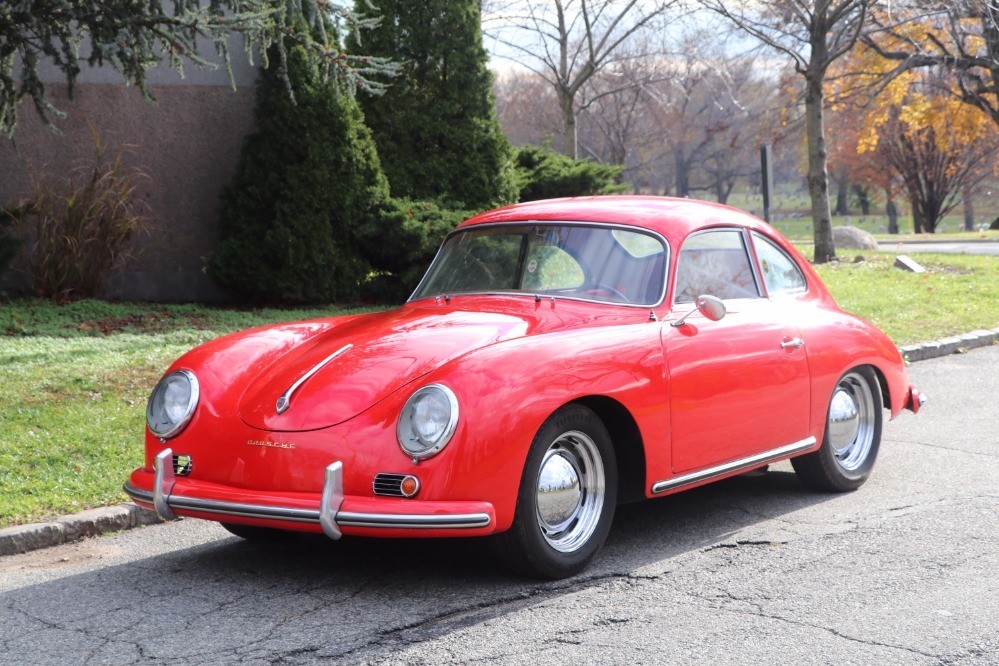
232, 600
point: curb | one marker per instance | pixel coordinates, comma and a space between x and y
956, 344
65, 529
92, 522
928, 241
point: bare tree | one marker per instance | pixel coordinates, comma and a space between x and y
707, 112
615, 115
959, 35
742, 118
526, 108
934, 177
567, 42
814, 34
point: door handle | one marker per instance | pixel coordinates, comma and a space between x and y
793, 342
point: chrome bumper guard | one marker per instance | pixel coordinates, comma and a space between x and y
328, 515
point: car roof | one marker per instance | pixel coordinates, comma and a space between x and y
670, 217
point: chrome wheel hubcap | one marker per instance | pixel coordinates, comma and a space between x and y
851, 421
570, 491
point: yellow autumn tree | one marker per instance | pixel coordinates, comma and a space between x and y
915, 124
957, 37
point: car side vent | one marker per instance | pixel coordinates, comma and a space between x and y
395, 485
182, 464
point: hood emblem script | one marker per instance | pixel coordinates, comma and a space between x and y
284, 402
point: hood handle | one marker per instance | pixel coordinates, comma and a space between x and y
284, 402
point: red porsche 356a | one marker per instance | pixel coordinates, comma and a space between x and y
558, 358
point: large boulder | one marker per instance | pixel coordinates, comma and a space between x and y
853, 238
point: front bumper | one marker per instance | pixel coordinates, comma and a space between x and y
335, 513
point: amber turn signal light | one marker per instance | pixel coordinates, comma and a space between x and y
410, 486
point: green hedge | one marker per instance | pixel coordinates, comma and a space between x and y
401, 242
545, 174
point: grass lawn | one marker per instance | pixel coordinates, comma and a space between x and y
957, 294
74, 379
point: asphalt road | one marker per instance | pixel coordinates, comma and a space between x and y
978, 247
748, 571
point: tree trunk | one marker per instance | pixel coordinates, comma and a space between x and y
818, 178
917, 214
864, 198
969, 210
569, 143
842, 197
724, 189
892, 211
681, 176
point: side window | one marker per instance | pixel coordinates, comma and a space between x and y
715, 263
780, 273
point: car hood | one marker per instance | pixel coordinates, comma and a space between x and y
386, 351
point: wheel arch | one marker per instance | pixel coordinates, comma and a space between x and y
883, 383
627, 441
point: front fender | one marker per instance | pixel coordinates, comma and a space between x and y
508, 390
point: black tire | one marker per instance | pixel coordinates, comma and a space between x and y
849, 445
573, 441
255, 533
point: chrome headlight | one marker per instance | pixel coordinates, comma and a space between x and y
172, 403
427, 421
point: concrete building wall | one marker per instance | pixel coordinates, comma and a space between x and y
188, 143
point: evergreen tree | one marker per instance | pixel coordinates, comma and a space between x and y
131, 37
436, 126
307, 180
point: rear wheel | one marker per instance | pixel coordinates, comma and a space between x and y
566, 500
852, 436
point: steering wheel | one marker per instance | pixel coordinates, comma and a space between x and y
600, 286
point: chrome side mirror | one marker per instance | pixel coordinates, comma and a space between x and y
711, 307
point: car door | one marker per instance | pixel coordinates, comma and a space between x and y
738, 386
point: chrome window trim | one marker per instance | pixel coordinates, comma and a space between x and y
754, 234
742, 231
554, 223
754, 264
734, 465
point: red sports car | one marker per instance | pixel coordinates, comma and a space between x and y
558, 358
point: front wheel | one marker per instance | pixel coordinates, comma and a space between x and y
567, 496
852, 436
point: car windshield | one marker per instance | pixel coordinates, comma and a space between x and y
595, 263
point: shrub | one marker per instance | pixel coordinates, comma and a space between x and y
10, 244
401, 241
78, 230
545, 174
306, 181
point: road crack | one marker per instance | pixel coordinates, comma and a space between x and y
759, 612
